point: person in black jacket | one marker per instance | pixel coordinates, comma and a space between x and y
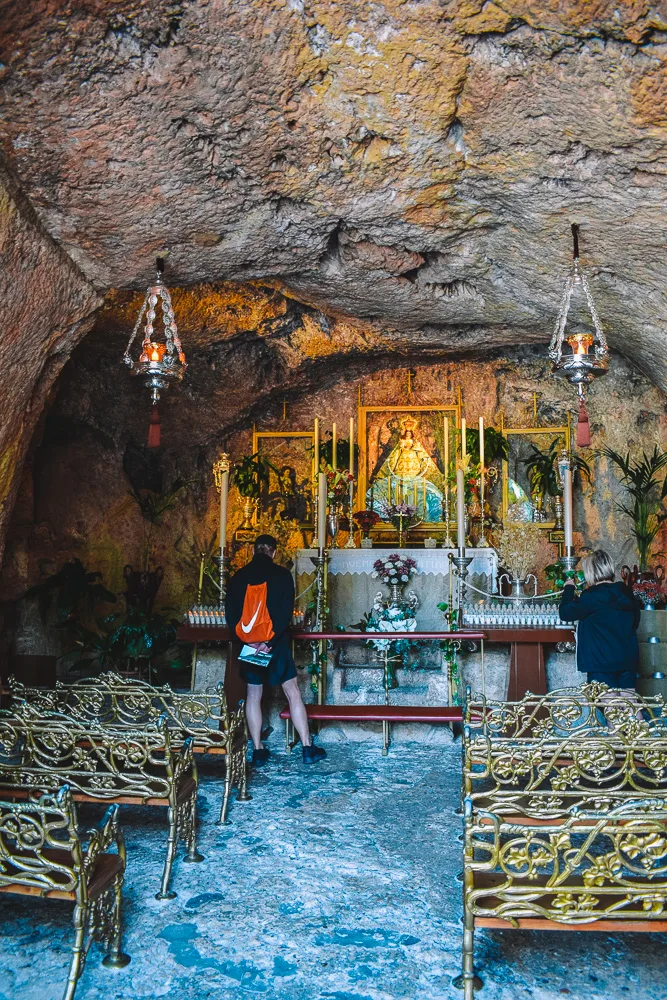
281, 668
608, 616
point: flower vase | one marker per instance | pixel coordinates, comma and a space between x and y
395, 595
557, 504
249, 507
333, 523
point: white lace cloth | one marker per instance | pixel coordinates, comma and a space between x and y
357, 561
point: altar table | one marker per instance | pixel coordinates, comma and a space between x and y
527, 668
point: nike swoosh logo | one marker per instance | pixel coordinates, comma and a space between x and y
249, 628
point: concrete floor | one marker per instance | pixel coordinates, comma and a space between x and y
337, 882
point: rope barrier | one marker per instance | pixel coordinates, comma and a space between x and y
524, 597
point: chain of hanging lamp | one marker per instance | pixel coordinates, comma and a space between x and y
582, 365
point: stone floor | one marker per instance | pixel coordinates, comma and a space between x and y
337, 882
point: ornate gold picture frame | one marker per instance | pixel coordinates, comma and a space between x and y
401, 457
519, 439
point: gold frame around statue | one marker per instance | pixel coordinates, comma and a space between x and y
550, 432
448, 409
257, 436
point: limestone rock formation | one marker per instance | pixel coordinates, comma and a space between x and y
410, 168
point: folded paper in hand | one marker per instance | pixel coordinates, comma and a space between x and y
251, 655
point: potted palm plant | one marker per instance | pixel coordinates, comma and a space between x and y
645, 507
541, 467
250, 476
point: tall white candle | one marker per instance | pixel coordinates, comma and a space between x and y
333, 445
224, 490
446, 447
460, 511
316, 440
481, 443
351, 446
567, 508
463, 437
321, 510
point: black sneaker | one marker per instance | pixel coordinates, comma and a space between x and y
260, 757
312, 754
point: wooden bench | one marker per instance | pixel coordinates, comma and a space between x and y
565, 814
111, 700
386, 714
43, 854
124, 765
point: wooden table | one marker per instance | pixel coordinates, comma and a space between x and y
527, 672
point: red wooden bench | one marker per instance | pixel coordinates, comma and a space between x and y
429, 714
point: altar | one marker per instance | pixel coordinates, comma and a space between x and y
352, 586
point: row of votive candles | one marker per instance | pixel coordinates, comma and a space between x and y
545, 615
202, 615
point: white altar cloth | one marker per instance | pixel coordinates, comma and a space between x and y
352, 587
484, 561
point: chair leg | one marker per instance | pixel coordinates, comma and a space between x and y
78, 952
190, 832
116, 959
229, 764
165, 892
241, 775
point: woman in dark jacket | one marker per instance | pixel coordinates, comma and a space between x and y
608, 616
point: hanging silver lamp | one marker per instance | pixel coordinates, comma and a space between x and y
581, 355
161, 360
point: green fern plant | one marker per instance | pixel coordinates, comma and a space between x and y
646, 495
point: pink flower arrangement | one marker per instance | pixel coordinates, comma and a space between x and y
649, 592
394, 569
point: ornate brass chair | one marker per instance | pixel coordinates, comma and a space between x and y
601, 871
98, 763
112, 700
43, 854
565, 806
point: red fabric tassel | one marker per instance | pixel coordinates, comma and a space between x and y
583, 427
154, 429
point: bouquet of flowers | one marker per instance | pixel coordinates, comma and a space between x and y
394, 569
366, 519
649, 592
338, 485
401, 515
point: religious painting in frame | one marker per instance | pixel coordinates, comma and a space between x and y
290, 489
516, 497
402, 458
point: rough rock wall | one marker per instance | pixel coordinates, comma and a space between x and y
46, 308
418, 163
253, 353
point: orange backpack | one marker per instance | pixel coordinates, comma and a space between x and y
255, 624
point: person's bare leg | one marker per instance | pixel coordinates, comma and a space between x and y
253, 713
297, 710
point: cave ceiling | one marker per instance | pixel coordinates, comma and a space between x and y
414, 166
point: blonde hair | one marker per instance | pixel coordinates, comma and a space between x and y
598, 568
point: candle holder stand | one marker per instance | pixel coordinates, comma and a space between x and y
569, 560
319, 648
481, 541
222, 586
350, 541
461, 562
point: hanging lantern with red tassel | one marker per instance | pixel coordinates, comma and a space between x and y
159, 363
588, 356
